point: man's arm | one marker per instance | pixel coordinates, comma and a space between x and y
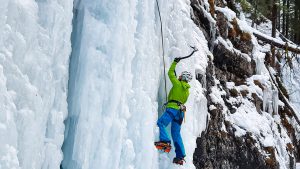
171, 74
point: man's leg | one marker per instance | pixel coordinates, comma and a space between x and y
162, 123
175, 131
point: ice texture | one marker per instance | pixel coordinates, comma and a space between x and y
115, 84
34, 53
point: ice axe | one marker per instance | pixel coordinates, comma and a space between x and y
185, 57
194, 50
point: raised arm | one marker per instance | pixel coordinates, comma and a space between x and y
171, 74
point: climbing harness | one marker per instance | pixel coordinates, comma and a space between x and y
174, 101
182, 108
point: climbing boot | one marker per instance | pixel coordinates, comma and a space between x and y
178, 161
164, 146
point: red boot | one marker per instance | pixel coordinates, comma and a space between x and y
166, 147
178, 161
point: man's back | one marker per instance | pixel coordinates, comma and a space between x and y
180, 90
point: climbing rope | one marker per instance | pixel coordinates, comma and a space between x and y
163, 51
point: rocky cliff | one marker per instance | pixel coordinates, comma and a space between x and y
252, 123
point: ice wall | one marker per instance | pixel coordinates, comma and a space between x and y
116, 83
34, 52
114, 79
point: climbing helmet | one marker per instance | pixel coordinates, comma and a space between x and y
186, 76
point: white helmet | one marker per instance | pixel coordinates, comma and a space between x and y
186, 76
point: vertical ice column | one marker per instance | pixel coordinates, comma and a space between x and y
114, 74
275, 101
34, 53
259, 65
270, 107
266, 98
270, 100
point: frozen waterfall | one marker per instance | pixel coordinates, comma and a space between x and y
81, 83
116, 84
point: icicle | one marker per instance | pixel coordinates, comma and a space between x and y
266, 98
270, 108
270, 100
212, 35
275, 101
259, 66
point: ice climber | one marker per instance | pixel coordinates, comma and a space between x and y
174, 113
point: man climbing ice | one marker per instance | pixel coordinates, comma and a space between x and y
175, 110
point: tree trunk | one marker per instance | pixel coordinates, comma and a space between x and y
278, 17
274, 19
296, 25
277, 44
287, 19
283, 17
254, 18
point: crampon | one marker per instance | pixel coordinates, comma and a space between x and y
166, 147
178, 161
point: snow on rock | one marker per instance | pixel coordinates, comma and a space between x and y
241, 102
230, 15
262, 125
34, 52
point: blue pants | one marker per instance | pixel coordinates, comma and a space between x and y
176, 117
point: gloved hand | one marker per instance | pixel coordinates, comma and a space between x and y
177, 60
183, 108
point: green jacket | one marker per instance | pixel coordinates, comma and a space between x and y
179, 91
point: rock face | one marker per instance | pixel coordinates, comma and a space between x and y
219, 147
235, 65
